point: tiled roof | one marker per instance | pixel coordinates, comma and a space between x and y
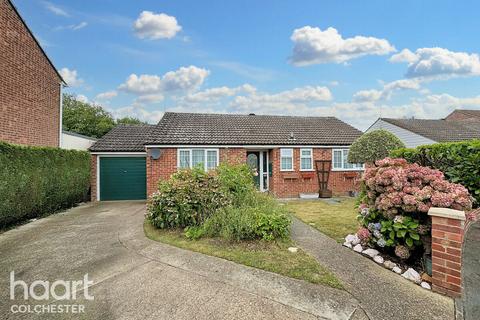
124, 137
235, 129
475, 114
439, 130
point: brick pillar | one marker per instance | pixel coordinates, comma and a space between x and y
93, 178
447, 237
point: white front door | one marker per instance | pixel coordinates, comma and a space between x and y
264, 183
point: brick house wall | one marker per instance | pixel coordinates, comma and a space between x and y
93, 178
282, 186
29, 86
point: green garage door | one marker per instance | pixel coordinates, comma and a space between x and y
123, 178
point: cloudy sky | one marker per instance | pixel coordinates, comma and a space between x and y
356, 60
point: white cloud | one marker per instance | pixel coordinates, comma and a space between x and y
79, 26
438, 63
106, 95
247, 71
150, 98
55, 9
313, 46
139, 112
154, 26
185, 78
387, 91
81, 98
214, 94
70, 77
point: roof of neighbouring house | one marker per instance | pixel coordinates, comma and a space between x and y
473, 114
124, 137
439, 130
70, 133
236, 129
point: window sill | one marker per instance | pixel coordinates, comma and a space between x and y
340, 170
287, 170
307, 170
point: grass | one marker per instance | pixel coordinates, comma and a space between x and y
334, 220
269, 256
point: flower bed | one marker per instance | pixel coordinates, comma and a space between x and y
393, 208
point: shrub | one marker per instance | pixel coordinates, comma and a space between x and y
260, 218
373, 146
459, 161
187, 199
36, 181
395, 199
220, 203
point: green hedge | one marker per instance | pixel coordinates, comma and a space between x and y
37, 181
459, 161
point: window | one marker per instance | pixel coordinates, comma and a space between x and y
286, 159
306, 159
184, 159
340, 161
189, 158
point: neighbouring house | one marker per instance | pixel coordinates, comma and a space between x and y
76, 141
129, 161
30, 85
460, 125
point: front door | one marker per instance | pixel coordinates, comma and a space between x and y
253, 161
258, 162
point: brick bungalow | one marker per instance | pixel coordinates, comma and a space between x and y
129, 161
30, 86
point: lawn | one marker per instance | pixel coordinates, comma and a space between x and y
269, 256
336, 220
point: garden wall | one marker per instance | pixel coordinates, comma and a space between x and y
37, 181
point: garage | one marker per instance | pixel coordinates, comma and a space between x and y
122, 178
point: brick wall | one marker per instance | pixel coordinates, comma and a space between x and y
340, 182
447, 238
160, 169
233, 155
93, 178
29, 86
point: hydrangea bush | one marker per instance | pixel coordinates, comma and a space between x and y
395, 199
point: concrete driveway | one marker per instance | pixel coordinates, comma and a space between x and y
136, 278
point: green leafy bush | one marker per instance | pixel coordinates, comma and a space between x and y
36, 181
259, 218
373, 146
187, 199
220, 203
459, 161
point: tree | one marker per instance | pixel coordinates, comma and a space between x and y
85, 118
373, 146
130, 120
89, 119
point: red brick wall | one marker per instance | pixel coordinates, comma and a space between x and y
29, 86
160, 169
447, 239
93, 178
233, 155
306, 181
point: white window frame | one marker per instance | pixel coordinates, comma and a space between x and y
205, 157
281, 156
355, 168
303, 157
